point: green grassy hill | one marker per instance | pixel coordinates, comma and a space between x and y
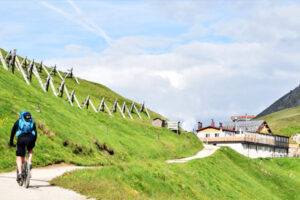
224, 175
68, 134
132, 153
284, 122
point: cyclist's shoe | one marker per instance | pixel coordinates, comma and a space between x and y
19, 177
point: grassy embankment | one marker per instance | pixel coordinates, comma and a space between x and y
137, 169
68, 134
284, 122
224, 175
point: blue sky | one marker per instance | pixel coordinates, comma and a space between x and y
189, 60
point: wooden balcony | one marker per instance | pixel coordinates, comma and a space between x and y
248, 137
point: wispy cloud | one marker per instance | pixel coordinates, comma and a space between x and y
80, 19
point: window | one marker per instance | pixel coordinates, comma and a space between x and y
207, 135
228, 134
216, 134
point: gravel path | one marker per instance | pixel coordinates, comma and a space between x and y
205, 152
39, 188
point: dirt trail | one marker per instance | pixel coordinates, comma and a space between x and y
205, 152
40, 188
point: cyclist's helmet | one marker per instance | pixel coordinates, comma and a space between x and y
27, 116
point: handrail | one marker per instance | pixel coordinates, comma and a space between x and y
247, 137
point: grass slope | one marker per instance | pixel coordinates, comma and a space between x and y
137, 169
224, 175
68, 134
285, 122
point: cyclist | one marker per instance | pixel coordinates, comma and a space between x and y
25, 129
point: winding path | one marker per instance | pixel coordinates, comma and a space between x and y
205, 152
40, 188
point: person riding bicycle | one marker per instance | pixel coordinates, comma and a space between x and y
25, 130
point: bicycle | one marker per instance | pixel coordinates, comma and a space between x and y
26, 172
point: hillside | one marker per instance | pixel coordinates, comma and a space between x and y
224, 175
68, 134
131, 153
284, 122
290, 100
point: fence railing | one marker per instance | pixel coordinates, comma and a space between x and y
248, 137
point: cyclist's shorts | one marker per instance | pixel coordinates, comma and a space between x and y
23, 141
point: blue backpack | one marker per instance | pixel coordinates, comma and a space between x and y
25, 124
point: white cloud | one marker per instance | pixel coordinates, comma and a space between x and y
270, 23
189, 124
175, 78
203, 60
193, 81
80, 18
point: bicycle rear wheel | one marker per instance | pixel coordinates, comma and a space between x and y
28, 175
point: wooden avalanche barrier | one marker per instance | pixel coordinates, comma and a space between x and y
12, 62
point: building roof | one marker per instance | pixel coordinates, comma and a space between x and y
250, 126
245, 117
218, 128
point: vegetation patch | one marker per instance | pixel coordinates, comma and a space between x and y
104, 147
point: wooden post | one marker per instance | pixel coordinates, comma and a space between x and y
54, 70
41, 67
29, 72
36, 73
72, 96
51, 82
25, 63
120, 110
131, 107
47, 83
107, 109
114, 108
137, 111
101, 106
61, 89
123, 107
22, 71
142, 107
12, 61
3, 61
127, 110
70, 72
7, 56
86, 103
